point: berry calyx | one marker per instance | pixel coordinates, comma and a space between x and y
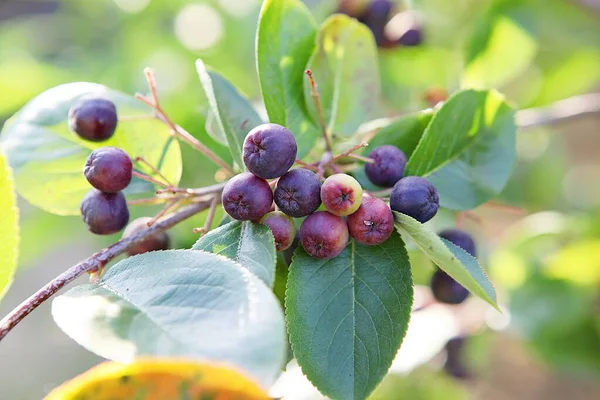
298, 193
104, 213
155, 242
247, 197
460, 238
446, 290
415, 197
324, 235
341, 194
93, 119
269, 151
282, 227
372, 223
108, 169
388, 167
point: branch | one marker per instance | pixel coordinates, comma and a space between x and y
95, 262
560, 111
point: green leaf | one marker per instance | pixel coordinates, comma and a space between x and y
456, 262
251, 245
347, 316
9, 226
344, 65
234, 115
284, 42
180, 303
501, 50
468, 149
403, 132
48, 159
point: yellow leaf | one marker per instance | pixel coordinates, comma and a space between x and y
9, 226
159, 379
578, 262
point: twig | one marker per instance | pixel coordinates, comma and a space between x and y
154, 169
560, 111
177, 130
350, 152
210, 217
148, 179
307, 165
361, 158
168, 207
148, 201
95, 262
314, 92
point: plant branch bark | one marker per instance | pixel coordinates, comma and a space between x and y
95, 262
560, 111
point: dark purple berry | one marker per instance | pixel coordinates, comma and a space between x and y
269, 151
376, 17
283, 228
158, 241
108, 169
104, 213
247, 197
298, 193
460, 238
415, 197
341, 194
455, 359
324, 235
388, 167
93, 119
412, 37
372, 223
446, 290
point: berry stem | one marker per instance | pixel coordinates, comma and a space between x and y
95, 262
307, 165
210, 217
148, 179
381, 193
350, 153
142, 160
148, 201
177, 130
314, 92
172, 204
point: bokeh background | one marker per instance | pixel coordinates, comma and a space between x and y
542, 252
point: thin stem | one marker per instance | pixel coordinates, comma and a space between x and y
307, 165
314, 92
168, 207
560, 111
147, 201
142, 160
94, 262
148, 179
381, 193
362, 158
137, 117
350, 152
210, 217
177, 130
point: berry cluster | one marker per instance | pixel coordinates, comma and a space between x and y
401, 30
269, 151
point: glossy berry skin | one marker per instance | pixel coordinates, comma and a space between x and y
269, 151
341, 194
388, 167
93, 119
372, 223
298, 193
158, 241
108, 169
460, 238
104, 213
283, 228
324, 235
247, 197
415, 197
446, 290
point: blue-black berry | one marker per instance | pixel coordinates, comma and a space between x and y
104, 213
93, 119
269, 151
415, 197
108, 169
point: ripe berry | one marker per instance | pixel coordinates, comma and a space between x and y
341, 194
460, 238
269, 151
415, 197
372, 223
324, 235
376, 17
108, 169
104, 213
298, 193
455, 363
247, 197
93, 119
446, 290
412, 37
283, 228
388, 167
158, 241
